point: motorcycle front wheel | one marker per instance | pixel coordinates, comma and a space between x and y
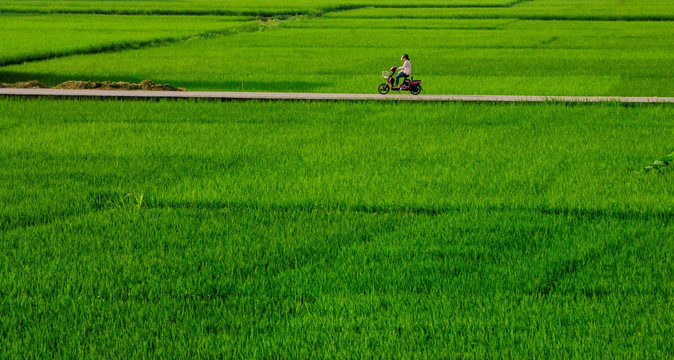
384, 89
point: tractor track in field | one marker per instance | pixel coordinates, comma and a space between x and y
286, 96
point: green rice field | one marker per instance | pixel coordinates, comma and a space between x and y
514, 57
37, 37
173, 229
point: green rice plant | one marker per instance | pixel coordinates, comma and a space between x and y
137, 200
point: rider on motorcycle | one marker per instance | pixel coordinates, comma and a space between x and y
406, 69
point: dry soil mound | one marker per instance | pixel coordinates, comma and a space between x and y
119, 85
104, 85
33, 84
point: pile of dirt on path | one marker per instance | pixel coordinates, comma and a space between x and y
33, 84
94, 85
119, 85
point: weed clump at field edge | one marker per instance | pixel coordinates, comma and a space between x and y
661, 163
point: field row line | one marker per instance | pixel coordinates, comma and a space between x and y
259, 14
533, 17
109, 201
284, 96
262, 14
284, 14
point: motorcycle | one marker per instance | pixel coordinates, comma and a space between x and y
409, 84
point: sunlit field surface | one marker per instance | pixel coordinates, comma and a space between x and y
481, 49
450, 56
31, 37
262, 229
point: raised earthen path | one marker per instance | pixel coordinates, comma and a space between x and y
322, 96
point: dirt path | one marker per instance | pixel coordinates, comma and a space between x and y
322, 96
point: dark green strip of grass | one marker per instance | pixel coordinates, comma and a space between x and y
544, 17
194, 12
258, 13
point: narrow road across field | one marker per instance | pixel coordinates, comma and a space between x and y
322, 96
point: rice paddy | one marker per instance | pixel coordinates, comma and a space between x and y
263, 229
38, 37
515, 57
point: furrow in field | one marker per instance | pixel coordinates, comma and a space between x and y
102, 201
576, 213
25, 221
108, 201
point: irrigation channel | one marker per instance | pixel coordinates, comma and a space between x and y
218, 95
